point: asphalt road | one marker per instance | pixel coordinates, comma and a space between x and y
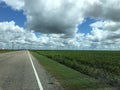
21, 71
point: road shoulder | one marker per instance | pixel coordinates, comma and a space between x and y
47, 80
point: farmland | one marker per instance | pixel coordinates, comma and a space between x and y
103, 66
4, 51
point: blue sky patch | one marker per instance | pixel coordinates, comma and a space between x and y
8, 14
84, 27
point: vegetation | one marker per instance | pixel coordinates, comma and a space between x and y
4, 51
71, 78
102, 65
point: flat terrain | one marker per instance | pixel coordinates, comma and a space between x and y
103, 65
16, 73
102, 68
59, 70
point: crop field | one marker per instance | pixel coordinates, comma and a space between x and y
103, 66
4, 51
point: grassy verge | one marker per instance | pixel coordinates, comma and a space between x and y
69, 78
102, 65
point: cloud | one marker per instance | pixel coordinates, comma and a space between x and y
10, 26
63, 17
105, 34
57, 24
103, 9
60, 17
110, 29
15, 4
54, 41
13, 34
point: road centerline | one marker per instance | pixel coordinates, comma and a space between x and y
35, 72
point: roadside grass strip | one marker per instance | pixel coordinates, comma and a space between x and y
68, 78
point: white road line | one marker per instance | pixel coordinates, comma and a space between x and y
35, 72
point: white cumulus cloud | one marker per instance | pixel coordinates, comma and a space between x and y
53, 17
15, 4
57, 22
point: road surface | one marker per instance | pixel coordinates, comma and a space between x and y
19, 70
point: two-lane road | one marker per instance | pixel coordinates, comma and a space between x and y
20, 71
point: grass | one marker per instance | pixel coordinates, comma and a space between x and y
102, 65
70, 79
4, 51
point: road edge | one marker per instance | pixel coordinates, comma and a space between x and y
35, 72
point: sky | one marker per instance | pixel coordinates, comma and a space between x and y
60, 24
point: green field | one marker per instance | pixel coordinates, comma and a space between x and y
97, 69
4, 51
